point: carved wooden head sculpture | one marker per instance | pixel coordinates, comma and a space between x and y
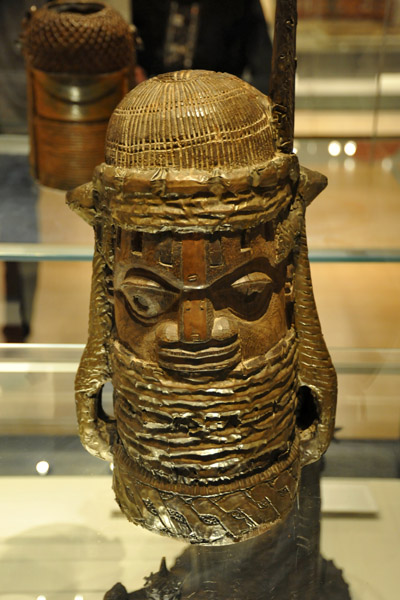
202, 311
79, 58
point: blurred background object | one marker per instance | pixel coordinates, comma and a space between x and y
79, 58
222, 36
342, 9
13, 102
18, 221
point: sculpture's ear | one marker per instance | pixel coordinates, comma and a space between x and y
81, 200
311, 184
96, 430
316, 374
288, 232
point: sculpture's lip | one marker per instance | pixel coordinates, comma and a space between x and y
198, 363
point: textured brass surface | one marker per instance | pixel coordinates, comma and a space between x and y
207, 129
283, 564
79, 58
202, 311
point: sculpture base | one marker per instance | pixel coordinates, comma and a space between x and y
283, 564
332, 586
222, 517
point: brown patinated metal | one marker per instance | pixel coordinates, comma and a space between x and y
79, 58
202, 311
284, 564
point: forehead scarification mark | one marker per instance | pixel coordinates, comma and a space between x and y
176, 257
194, 262
123, 244
118, 238
268, 231
164, 250
242, 247
137, 242
216, 258
194, 312
245, 240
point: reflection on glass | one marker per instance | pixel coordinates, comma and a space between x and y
334, 148
42, 467
349, 164
350, 148
387, 164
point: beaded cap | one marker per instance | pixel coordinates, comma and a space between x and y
191, 119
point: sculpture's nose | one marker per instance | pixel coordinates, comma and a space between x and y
199, 323
195, 320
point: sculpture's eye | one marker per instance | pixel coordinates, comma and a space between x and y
253, 283
146, 298
251, 295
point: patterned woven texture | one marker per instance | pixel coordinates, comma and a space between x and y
78, 37
191, 119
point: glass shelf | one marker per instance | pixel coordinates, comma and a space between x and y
37, 383
21, 252
64, 252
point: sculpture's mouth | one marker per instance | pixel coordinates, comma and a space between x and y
195, 362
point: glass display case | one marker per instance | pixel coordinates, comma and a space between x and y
62, 535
